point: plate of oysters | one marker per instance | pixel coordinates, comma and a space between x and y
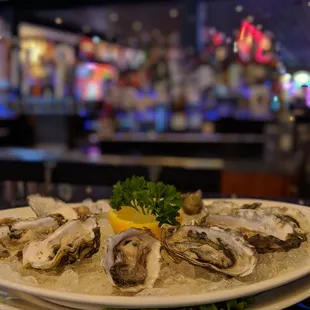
150, 246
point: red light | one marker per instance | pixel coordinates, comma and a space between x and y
217, 39
249, 34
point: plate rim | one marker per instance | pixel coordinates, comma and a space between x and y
169, 301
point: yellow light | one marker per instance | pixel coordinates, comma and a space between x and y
86, 28
114, 17
239, 8
259, 26
58, 21
174, 13
250, 18
291, 118
137, 26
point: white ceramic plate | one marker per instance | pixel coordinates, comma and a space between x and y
278, 298
82, 301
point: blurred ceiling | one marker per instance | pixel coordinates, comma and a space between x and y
122, 21
288, 20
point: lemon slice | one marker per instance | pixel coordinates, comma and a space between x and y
128, 217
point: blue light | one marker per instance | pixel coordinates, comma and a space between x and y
96, 39
88, 125
302, 306
83, 112
212, 116
275, 104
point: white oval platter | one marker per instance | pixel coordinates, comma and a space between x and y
83, 301
278, 298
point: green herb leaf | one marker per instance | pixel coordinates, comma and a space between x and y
163, 201
209, 307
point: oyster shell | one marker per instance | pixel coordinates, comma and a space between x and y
15, 233
132, 260
290, 214
43, 206
25, 229
266, 231
75, 240
4, 252
211, 247
192, 203
221, 207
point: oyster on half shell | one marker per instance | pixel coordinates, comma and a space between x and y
216, 248
132, 261
43, 206
75, 240
220, 207
15, 233
224, 207
266, 231
290, 214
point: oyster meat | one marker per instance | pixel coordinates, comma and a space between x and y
75, 240
192, 203
15, 233
290, 214
216, 248
221, 207
4, 232
132, 260
43, 206
266, 231
26, 229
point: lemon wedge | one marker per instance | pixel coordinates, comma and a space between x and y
128, 217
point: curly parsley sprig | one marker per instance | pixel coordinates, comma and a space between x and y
163, 201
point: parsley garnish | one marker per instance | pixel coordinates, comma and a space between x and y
162, 201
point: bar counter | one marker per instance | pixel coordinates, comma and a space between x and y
240, 176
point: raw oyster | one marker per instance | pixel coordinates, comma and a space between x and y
43, 206
211, 247
75, 240
15, 233
25, 229
220, 207
4, 252
193, 203
290, 214
267, 232
132, 261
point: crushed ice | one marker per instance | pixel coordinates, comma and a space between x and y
89, 277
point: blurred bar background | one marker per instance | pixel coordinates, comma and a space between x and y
201, 94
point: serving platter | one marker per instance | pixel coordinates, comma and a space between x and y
278, 298
83, 301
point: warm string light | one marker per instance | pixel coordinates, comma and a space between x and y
239, 8
174, 13
58, 21
114, 17
250, 18
86, 29
137, 26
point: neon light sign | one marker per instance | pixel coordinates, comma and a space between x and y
251, 39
